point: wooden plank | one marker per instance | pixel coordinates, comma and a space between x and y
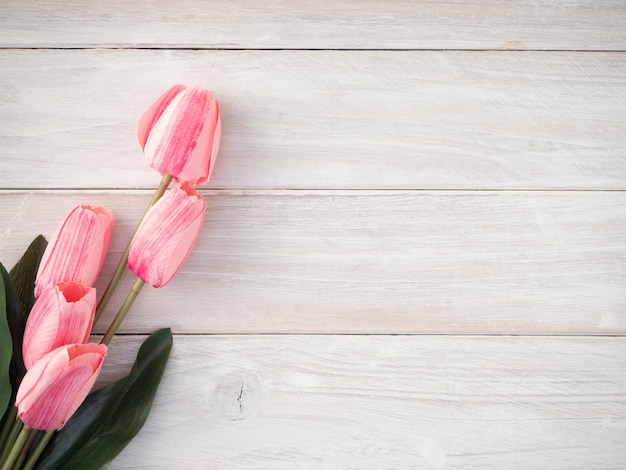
352, 24
325, 119
372, 262
399, 402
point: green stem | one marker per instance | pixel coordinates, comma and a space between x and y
17, 448
32, 433
119, 318
15, 430
32, 460
9, 420
119, 270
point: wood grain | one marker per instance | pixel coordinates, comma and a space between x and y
372, 262
325, 119
414, 201
349, 402
352, 24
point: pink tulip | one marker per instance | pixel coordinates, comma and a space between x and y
63, 314
76, 251
167, 235
180, 133
54, 388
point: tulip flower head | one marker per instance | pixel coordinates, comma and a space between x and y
77, 249
54, 388
167, 235
63, 314
180, 133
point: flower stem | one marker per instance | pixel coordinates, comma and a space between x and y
15, 429
119, 318
9, 421
119, 270
41, 445
17, 448
30, 437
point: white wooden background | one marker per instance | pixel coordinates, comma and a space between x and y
414, 252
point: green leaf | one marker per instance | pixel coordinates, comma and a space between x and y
24, 273
110, 417
6, 343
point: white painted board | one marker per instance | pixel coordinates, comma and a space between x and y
371, 262
393, 402
349, 24
324, 119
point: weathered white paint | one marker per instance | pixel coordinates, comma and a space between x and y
283, 402
357, 245
372, 261
325, 119
351, 24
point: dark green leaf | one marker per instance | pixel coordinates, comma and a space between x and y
110, 417
6, 343
24, 272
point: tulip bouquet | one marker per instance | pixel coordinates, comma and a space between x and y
50, 420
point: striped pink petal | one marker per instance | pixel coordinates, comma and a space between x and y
54, 388
180, 133
166, 236
63, 314
154, 112
77, 249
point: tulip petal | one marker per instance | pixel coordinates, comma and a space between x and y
42, 326
180, 133
154, 112
202, 159
158, 134
73, 291
174, 137
94, 247
181, 250
216, 143
77, 249
106, 222
166, 236
62, 315
57, 384
49, 255
42, 373
190, 116
76, 323
53, 410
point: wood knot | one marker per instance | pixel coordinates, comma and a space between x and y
236, 396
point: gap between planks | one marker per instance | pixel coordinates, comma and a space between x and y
300, 191
381, 334
110, 47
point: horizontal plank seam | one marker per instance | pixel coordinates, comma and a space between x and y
456, 335
269, 191
321, 49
